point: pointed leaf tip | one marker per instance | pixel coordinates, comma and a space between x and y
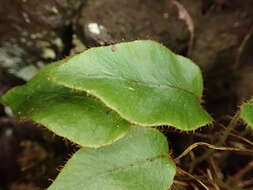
143, 81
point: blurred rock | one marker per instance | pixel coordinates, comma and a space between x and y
111, 21
244, 88
33, 30
7, 81
244, 70
219, 30
9, 149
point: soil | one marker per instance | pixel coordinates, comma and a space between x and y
216, 34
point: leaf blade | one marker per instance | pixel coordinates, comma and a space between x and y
139, 71
139, 161
247, 113
66, 112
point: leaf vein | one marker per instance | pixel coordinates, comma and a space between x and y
143, 83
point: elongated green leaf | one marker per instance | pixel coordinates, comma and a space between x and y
67, 112
142, 80
139, 161
247, 113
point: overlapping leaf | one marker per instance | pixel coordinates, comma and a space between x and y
139, 161
247, 113
67, 112
142, 81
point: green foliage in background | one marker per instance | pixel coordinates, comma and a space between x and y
247, 113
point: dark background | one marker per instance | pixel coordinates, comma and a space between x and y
216, 34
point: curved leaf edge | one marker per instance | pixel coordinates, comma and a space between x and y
197, 96
244, 112
137, 123
64, 137
24, 118
101, 100
168, 156
49, 78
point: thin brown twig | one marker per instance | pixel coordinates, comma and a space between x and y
240, 173
224, 127
222, 140
225, 186
191, 147
182, 183
216, 169
211, 180
206, 136
192, 156
179, 170
246, 183
194, 186
242, 138
230, 127
238, 136
186, 17
242, 46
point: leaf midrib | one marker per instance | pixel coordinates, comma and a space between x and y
143, 83
127, 166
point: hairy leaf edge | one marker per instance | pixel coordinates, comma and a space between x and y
197, 96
